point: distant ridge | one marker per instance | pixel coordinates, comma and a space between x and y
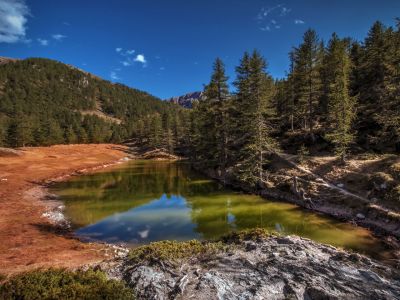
6, 60
186, 100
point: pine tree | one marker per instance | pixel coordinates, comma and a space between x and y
19, 133
341, 104
307, 80
155, 137
168, 137
254, 99
216, 93
69, 136
374, 66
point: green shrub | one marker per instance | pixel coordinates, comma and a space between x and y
238, 237
173, 250
63, 284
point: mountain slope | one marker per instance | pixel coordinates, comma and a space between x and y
45, 102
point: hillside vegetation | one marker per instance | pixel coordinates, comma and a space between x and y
44, 102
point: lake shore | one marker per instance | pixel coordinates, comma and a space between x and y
253, 265
321, 190
33, 229
29, 232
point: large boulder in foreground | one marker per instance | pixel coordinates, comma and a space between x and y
256, 267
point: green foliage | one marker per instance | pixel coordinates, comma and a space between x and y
62, 284
302, 154
341, 104
56, 103
253, 109
172, 251
307, 63
255, 234
211, 137
348, 92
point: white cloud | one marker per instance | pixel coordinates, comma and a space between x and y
43, 42
128, 58
140, 58
298, 22
13, 18
114, 76
284, 11
270, 18
58, 37
266, 28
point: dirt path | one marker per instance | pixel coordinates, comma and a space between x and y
27, 238
323, 181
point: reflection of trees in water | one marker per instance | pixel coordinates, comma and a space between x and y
93, 197
214, 210
219, 213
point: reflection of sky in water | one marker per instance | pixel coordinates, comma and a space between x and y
161, 219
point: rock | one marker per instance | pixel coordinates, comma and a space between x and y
360, 216
269, 268
340, 185
187, 100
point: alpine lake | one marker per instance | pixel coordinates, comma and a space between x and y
139, 202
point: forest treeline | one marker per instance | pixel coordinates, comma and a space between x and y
338, 97
44, 102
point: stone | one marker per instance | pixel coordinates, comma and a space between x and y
360, 216
275, 268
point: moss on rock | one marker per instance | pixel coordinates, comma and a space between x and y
63, 284
172, 251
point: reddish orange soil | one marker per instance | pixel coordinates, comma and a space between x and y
27, 239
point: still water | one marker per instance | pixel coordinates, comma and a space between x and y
143, 201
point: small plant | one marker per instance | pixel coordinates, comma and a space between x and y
63, 284
302, 154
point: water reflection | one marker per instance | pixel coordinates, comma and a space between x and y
140, 202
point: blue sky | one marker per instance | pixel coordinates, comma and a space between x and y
167, 47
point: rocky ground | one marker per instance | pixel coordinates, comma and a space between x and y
257, 267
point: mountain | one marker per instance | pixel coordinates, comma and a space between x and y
6, 60
44, 102
186, 101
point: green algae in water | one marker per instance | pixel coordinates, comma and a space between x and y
145, 201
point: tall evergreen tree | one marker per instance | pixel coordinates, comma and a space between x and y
255, 94
307, 67
216, 93
341, 104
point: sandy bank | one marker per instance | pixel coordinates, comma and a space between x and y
29, 238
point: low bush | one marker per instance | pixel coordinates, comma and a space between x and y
172, 251
256, 234
63, 284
